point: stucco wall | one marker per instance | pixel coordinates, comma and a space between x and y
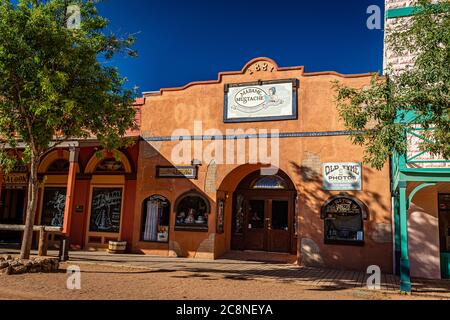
423, 228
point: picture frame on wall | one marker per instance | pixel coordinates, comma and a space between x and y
260, 101
220, 216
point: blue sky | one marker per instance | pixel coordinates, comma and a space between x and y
183, 41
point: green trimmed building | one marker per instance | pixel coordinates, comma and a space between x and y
420, 186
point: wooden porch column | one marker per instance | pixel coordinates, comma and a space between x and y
68, 208
405, 277
397, 241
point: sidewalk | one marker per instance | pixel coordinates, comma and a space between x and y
323, 279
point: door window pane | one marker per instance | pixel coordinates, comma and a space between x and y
53, 207
280, 214
256, 214
239, 214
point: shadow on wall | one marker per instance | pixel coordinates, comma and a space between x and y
377, 248
423, 243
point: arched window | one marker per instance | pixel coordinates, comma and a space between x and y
269, 182
192, 211
155, 219
343, 220
59, 166
110, 165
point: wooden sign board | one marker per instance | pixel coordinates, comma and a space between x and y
189, 172
16, 179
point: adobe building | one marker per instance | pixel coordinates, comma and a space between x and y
86, 191
258, 160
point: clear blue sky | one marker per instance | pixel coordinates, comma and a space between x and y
183, 41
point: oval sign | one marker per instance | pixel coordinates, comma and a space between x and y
250, 97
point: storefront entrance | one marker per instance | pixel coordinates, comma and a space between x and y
263, 214
12, 211
444, 234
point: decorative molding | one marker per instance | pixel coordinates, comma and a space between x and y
411, 10
253, 63
402, 12
254, 136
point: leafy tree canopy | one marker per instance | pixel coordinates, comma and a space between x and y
52, 84
377, 112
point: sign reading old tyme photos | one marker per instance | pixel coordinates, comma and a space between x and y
261, 101
342, 175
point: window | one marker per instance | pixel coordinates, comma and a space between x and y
269, 182
59, 166
53, 206
110, 165
192, 212
238, 224
343, 220
155, 219
106, 208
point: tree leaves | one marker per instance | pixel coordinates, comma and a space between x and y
51, 81
423, 89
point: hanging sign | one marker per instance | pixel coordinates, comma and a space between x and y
342, 175
261, 101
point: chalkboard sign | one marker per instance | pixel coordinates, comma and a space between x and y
53, 207
105, 210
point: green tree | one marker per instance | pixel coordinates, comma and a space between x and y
375, 112
54, 86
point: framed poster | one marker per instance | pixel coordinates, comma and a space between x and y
106, 209
342, 175
220, 216
261, 101
189, 172
53, 206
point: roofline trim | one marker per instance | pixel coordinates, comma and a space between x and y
248, 64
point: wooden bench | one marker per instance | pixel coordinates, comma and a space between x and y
44, 231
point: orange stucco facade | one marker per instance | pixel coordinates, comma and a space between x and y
164, 113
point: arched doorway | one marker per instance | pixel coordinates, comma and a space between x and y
264, 214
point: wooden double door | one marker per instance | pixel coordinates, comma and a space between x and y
267, 222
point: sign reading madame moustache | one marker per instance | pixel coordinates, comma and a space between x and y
342, 175
261, 101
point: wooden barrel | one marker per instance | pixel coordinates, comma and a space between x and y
117, 246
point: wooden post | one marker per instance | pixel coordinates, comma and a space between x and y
42, 250
68, 209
